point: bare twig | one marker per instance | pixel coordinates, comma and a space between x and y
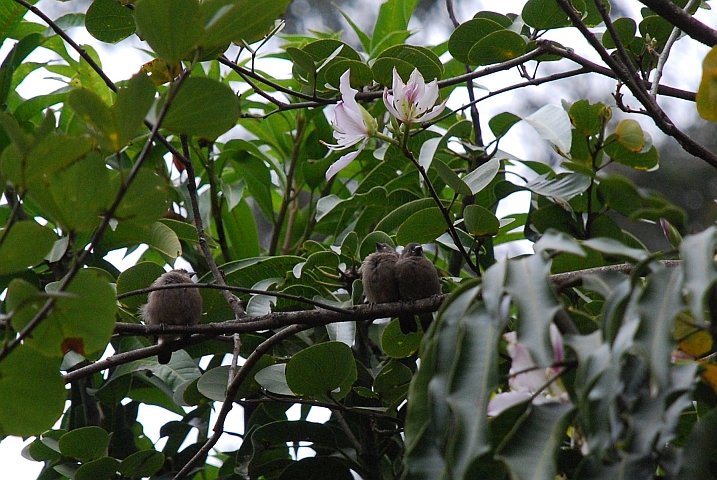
232, 300
662, 59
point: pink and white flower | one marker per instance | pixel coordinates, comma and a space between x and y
532, 382
414, 101
352, 125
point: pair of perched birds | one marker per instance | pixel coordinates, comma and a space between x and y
390, 277
386, 276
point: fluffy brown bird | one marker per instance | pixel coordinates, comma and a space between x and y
172, 306
377, 275
417, 278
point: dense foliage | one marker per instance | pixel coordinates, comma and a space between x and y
588, 359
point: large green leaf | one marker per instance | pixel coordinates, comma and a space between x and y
532, 450
659, 305
422, 227
66, 198
324, 369
109, 21
171, 27
32, 392
527, 284
392, 18
239, 21
706, 99
203, 107
87, 443
24, 245
699, 269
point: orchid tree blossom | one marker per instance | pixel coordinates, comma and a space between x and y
531, 383
414, 101
352, 125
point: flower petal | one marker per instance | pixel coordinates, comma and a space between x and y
343, 162
437, 110
388, 100
504, 401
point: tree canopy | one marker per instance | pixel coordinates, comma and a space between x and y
590, 358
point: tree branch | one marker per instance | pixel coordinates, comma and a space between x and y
683, 20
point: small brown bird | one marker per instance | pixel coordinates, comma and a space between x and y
417, 278
173, 306
377, 275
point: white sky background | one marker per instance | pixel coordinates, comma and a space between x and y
683, 70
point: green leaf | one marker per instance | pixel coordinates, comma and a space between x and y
700, 449
531, 452
625, 28
317, 468
392, 382
706, 99
497, 47
544, 15
273, 379
640, 160
527, 284
137, 277
457, 377
103, 468
32, 392
321, 370
133, 102
49, 155
501, 123
468, 34
396, 344
587, 118
203, 107
172, 28
406, 58
144, 463
563, 188
619, 193
697, 252
422, 227
24, 245
480, 221
83, 319
109, 21
239, 20
659, 305
13, 60
84, 444
629, 134
449, 176
66, 198
611, 246
146, 201
481, 177
393, 16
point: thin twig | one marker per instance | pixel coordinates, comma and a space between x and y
232, 300
81, 51
662, 59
